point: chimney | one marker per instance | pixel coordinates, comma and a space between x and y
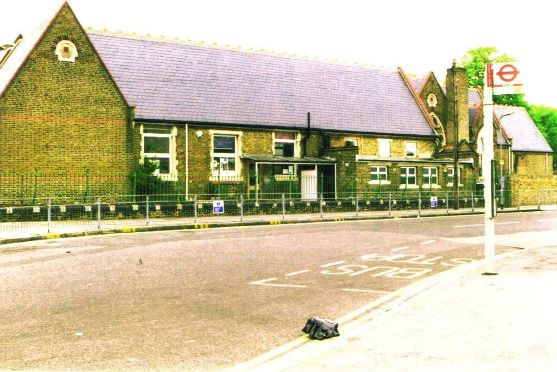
457, 98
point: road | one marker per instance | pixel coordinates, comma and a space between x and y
212, 298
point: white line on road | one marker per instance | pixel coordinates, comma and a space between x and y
481, 224
548, 220
428, 242
400, 248
364, 290
297, 272
333, 264
266, 282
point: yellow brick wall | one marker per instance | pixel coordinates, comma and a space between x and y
66, 118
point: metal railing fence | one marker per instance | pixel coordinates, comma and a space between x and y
72, 214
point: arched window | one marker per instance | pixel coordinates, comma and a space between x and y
431, 100
439, 128
66, 51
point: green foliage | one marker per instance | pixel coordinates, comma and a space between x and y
475, 60
145, 180
546, 121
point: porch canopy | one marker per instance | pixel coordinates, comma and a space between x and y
289, 159
303, 177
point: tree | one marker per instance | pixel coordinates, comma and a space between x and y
475, 60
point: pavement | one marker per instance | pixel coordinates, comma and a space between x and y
14, 232
459, 320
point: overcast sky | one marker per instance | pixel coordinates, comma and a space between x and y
418, 35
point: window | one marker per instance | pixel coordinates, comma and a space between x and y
285, 144
430, 176
407, 176
283, 169
157, 147
450, 176
410, 149
431, 100
384, 148
379, 175
350, 142
285, 172
225, 155
66, 51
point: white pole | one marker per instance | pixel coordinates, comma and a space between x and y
487, 157
187, 161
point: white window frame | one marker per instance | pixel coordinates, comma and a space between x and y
407, 150
408, 174
450, 174
216, 170
427, 174
153, 156
380, 170
295, 141
384, 147
354, 142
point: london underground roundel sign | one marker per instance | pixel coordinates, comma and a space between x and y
506, 78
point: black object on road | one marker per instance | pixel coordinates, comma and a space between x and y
320, 329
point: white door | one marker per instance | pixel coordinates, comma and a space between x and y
309, 184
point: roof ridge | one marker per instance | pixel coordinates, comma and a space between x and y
238, 48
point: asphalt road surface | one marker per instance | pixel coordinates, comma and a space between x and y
210, 299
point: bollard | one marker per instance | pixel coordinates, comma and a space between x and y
472, 201
283, 208
195, 208
241, 207
419, 203
49, 215
99, 213
389, 204
147, 211
321, 206
357, 205
447, 201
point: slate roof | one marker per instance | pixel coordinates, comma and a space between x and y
520, 127
474, 97
418, 83
171, 81
21, 50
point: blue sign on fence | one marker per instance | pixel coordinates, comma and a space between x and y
218, 206
433, 201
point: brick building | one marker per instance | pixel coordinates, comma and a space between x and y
61, 111
228, 121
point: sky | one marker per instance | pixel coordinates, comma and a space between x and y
419, 36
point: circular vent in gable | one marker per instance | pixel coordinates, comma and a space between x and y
66, 51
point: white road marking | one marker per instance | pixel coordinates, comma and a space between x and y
266, 282
481, 224
427, 242
297, 272
400, 248
462, 226
364, 290
548, 220
333, 264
